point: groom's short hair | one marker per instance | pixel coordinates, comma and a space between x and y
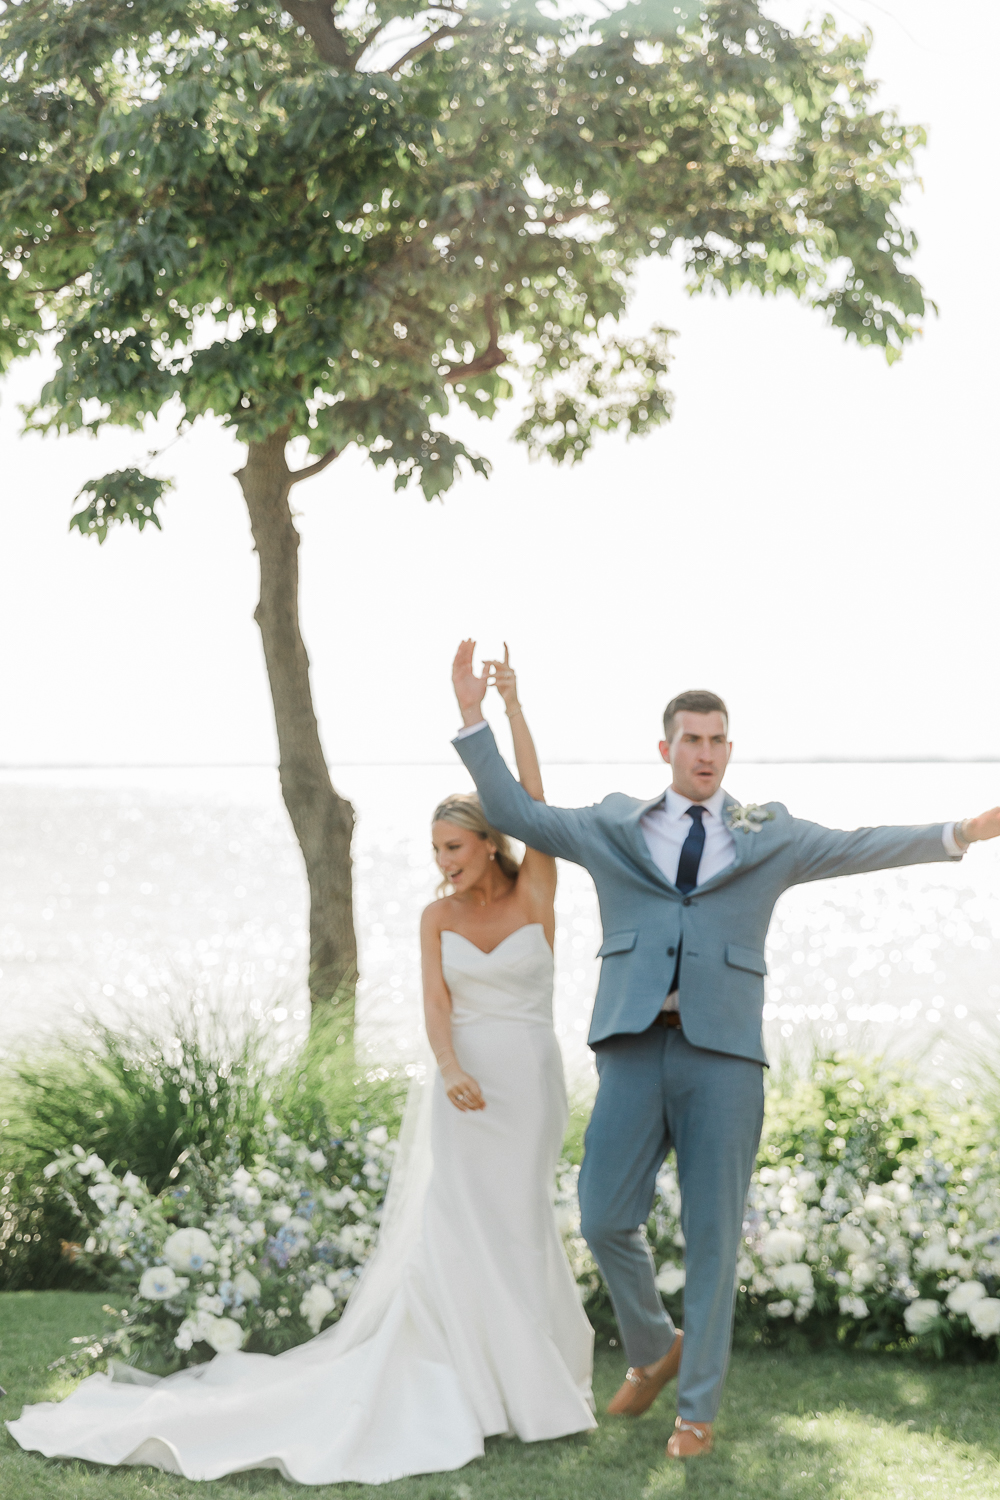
695, 701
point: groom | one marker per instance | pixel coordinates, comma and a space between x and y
686, 885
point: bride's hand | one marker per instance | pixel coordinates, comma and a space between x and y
470, 690
505, 680
462, 1089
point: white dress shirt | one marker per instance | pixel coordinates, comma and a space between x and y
667, 825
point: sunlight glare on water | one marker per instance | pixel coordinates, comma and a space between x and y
121, 886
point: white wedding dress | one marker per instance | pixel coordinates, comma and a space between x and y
466, 1322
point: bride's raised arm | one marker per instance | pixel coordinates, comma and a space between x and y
528, 770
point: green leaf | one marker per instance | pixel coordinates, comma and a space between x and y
125, 495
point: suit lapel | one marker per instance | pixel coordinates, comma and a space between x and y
744, 850
638, 848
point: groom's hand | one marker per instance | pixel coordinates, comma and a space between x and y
469, 689
986, 826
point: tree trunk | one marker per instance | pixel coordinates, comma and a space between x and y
323, 821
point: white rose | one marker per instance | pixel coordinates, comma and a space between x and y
189, 1250
783, 1309
267, 1178
984, 1316
782, 1245
158, 1283
317, 1303
280, 1213
853, 1240
965, 1296
224, 1335
920, 1315
247, 1285
854, 1307
670, 1279
317, 1160
793, 1279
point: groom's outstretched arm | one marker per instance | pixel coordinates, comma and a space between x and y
561, 831
823, 852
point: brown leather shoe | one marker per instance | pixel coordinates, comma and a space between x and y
643, 1384
690, 1439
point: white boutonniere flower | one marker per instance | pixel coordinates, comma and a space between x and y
749, 819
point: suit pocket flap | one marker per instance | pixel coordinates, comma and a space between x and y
617, 942
738, 957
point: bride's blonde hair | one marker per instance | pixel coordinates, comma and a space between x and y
465, 811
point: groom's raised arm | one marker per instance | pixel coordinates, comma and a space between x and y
824, 852
561, 831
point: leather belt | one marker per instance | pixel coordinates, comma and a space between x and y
671, 1019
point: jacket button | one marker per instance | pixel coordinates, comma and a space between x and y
671, 952
687, 900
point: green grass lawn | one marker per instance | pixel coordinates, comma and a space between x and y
796, 1426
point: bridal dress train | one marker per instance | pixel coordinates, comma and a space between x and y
466, 1323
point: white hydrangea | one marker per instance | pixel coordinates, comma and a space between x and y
246, 1285
921, 1315
267, 1178
318, 1302
854, 1307
854, 1240
782, 1245
794, 1278
670, 1279
965, 1296
783, 1309
984, 1316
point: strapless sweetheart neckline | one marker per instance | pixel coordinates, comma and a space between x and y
524, 927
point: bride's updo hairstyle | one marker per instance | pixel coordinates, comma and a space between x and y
465, 811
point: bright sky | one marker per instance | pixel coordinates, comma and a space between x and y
814, 535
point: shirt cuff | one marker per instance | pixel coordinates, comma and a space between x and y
951, 844
467, 729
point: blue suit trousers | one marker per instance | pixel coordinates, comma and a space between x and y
658, 1092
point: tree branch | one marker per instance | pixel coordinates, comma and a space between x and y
316, 19
316, 468
425, 46
491, 356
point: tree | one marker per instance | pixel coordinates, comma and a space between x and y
336, 222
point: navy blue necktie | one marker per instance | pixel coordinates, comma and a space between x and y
687, 871
687, 866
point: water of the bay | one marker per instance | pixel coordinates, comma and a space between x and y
118, 887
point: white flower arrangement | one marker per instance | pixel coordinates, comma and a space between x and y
268, 1254
748, 817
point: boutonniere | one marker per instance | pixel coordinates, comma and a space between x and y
749, 819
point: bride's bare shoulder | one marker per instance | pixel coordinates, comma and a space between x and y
432, 917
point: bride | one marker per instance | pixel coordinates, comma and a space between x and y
466, 1322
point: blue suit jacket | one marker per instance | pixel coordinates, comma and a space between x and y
723, 923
